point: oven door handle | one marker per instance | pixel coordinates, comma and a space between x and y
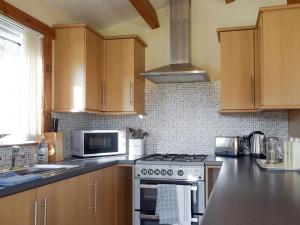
150, 186
155, 217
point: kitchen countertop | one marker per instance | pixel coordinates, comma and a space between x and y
245, 194
84, 166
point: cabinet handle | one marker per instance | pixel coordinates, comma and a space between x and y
130, 93
252, 91
35, 206
95, 196
103, 92
45, 210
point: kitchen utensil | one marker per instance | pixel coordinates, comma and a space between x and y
257, 142
55, 124
228, 146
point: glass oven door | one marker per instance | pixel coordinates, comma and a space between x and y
100, 143
147, 195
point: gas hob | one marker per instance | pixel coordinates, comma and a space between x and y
171, 166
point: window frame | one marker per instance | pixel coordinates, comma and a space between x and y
23, 18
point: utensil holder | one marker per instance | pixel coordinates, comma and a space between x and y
136, 146
55, 141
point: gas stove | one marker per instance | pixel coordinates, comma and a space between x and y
171, 166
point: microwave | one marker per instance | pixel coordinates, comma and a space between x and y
89, 143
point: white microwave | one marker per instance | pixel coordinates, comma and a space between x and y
89, 143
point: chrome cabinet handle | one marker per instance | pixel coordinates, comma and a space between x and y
130, 93
103, 92
45, 211
252, 90
149, 186
35, 206
94, 207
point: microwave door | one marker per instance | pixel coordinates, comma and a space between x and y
100, 143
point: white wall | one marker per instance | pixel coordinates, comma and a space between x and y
41, 11
207, 15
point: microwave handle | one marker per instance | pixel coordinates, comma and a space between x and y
155, 217
149, 186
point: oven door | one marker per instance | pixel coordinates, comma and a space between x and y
146, 195
145, 219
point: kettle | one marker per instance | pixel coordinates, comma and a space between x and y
257, 142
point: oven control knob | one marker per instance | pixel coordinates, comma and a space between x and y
163, 172
170, 172
156, 172
150, 171
144, 172
180, 173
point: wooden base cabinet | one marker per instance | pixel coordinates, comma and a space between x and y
65, 202
19, 209
211, 175
103, 197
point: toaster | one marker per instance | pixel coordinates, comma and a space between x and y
228, 146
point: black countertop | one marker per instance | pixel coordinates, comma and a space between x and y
84, 166
245, 194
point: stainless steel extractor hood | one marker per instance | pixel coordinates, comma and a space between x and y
180, 70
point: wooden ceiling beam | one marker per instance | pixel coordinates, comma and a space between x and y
147, 11
229, 1
289, 2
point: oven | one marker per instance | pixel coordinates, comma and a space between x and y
146, 197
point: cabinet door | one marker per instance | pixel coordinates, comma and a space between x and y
281, 54
237, 70
119, 77
258, 63
69, 69
18, 209
103, 197
67, 202
94, 71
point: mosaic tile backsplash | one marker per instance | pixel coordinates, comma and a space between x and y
181, 118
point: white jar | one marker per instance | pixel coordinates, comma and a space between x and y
136, 146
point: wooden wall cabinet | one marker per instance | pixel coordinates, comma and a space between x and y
280, 54
237, 69
260, 64
124, 86
96, 74
79, 69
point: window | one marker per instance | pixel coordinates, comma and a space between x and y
21, 82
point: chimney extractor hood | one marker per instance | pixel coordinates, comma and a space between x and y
180, 70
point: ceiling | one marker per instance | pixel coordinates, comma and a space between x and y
101, 13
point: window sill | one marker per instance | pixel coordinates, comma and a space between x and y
23, 143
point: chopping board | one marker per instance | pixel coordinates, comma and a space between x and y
276, 166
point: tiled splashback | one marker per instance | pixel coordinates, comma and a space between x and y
181, 118
29, 156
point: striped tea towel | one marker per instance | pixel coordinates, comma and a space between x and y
167, 204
